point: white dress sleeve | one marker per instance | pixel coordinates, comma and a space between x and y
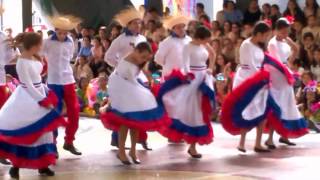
186, 59
112, 57
25, 78
273, 50
161, 54
128, 71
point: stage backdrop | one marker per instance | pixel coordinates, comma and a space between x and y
93, 12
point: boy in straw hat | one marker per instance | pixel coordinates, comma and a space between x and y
6, 54
169, 54
131, 20
58, 49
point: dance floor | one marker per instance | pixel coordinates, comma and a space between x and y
221, 160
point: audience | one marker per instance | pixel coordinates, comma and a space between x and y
229, 30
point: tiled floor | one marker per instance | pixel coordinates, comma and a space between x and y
169, 161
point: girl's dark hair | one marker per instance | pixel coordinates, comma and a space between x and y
282, 24
143, 46
260, 27
27, 40
202, 33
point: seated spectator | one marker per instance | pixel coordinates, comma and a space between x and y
253, 13
205, 21
158, 34
306, 50
275, 14
83, 84
311, 8
215, 29
246, 30
115, 32
102, 32
97, 49
106, 44
296, 31
85, 49
77, 45
220, 63
312, 27
102, 93
294, 10
216, 46
192, 27
315, 65
83, 98
235, 32
151, 25
231, 13
220, 14
200, 10
82, 69
309, 104
266, 11
226, 28
228, 49
221, 90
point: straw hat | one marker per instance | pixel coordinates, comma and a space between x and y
171, 21
127, 15
64, 22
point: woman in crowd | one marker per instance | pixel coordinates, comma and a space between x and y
140, 112
85, 50
97, 61
266, 11
306, 50
31, 105
220, 63
189, 97
252, 14
227, 25
295, 11
82, 69
315, 65
311, 8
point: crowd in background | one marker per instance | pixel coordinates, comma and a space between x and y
231, 27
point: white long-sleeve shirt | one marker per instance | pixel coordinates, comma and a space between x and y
279, 49
122, 46
59, 55
170, 53
29, 75
6, 55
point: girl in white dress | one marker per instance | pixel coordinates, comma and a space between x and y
256, 95
132, 105
238, 118
27, 119
189, 96
285, 50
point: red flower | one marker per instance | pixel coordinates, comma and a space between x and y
290, 19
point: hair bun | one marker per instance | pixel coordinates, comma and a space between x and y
18, 40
